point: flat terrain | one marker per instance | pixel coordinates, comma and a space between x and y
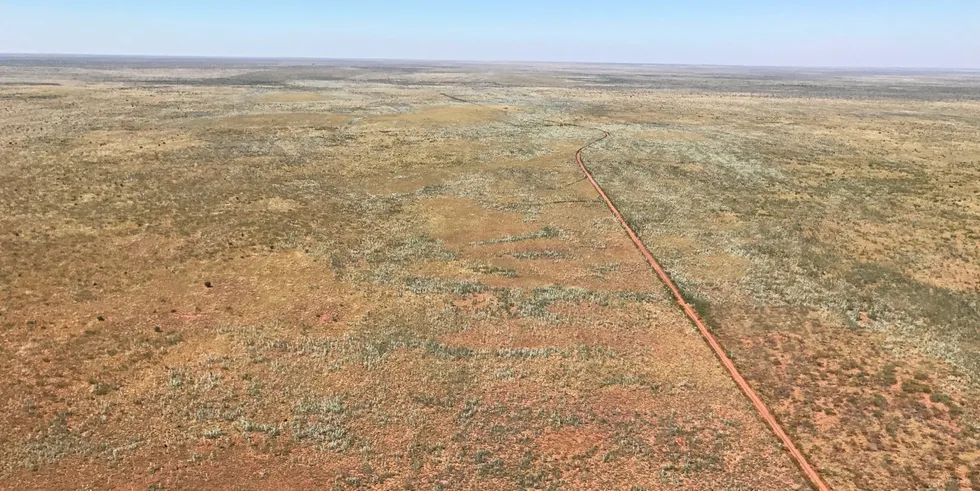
293, 274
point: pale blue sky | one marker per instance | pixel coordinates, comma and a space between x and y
868, 33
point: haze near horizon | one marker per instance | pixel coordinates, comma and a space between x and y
830, 33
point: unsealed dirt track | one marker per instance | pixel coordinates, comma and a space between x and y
812, 475
760, 406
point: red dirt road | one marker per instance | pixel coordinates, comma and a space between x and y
760, 406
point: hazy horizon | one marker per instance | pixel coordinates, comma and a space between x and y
762, 33
246, 58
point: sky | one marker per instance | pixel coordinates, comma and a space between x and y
835, 33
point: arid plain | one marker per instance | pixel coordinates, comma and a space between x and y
293, 274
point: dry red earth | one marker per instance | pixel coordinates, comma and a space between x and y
294, 277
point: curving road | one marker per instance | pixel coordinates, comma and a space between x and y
811, 474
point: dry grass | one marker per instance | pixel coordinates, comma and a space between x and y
332, 276
830, 241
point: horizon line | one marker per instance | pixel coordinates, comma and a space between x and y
476, 62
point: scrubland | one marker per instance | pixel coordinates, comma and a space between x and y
341, 275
